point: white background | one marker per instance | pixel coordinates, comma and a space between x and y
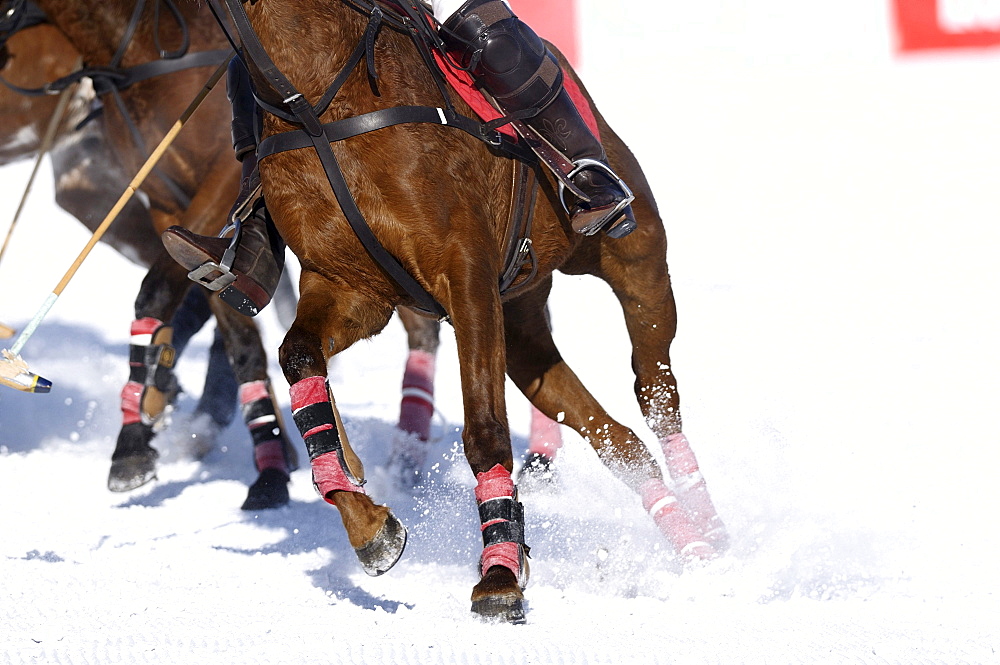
832, 215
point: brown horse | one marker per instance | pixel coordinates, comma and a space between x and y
193, 185
438, 200
89, 178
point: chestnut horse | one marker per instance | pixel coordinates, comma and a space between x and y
437, 200
193, 184
89, 178
88, 182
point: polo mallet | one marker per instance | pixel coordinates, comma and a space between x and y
43, 148
14, 371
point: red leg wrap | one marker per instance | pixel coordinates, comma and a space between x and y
329, 475
494, 484
545, 438
417, 406
692, 489
673, 521
307, 392
507, 555
130, 402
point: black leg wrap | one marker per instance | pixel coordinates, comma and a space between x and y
503, 522
152, 367
318, 427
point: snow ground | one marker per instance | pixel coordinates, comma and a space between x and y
831, 213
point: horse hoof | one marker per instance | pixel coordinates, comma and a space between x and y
509, 609
383, 551
538, 468
270, 490
132, 471
498, 596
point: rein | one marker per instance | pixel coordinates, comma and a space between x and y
297, 109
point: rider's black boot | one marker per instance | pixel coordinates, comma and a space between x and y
512, 64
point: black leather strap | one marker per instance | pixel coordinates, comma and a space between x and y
398, 115
306, 116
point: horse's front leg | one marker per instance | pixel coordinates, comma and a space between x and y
273, 454
327, 322
478, 321
151, 384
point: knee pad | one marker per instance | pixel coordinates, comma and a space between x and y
503, 54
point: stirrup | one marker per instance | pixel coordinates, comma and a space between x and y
583, 164
217, 276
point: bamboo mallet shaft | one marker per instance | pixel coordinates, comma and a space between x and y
130, 190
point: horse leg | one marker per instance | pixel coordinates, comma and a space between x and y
274, 456
544, 442
637, 272
486, 437
417, 404
217, 405
651, 319
151, 384
325, 325
537, 368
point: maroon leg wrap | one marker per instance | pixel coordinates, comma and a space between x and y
417, 405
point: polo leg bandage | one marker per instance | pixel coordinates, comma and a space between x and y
335, 467
673, 521
151, 383
692, 490
271, 448
417, 406
502, 519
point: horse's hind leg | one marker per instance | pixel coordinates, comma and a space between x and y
536, 367
409, 449
636, 270
274, 456
325, 325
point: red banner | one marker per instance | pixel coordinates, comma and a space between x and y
554, 20
946, 24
